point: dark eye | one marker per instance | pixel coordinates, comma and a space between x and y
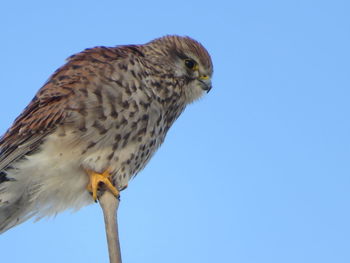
190, 63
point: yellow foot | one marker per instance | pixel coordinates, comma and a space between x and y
96, 179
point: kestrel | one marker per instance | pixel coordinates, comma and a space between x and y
96, 123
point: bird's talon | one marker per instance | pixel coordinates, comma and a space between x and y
100, 178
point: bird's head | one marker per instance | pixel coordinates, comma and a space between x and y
186, 61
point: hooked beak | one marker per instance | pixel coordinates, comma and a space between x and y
205, 83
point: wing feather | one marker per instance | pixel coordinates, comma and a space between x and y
40, 118
55, 101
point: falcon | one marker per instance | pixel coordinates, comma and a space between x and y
95, 124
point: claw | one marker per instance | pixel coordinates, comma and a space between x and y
96, 179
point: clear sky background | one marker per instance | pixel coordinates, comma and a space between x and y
255, 172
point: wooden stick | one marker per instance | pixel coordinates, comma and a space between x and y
110, 204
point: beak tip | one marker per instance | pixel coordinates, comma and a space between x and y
206, 84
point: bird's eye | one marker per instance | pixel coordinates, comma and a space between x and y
191, 64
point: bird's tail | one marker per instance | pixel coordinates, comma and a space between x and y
14, 206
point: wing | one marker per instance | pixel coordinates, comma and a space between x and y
39, 118
45, 112
56, 101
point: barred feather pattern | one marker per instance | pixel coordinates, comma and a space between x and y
107, 107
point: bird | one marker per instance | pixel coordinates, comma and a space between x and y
96, 123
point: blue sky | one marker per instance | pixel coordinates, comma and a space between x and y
255, 172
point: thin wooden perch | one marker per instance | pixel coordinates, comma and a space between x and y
110, 204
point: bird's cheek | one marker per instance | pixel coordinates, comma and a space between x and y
194, 92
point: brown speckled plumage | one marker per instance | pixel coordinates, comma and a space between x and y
106, 107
